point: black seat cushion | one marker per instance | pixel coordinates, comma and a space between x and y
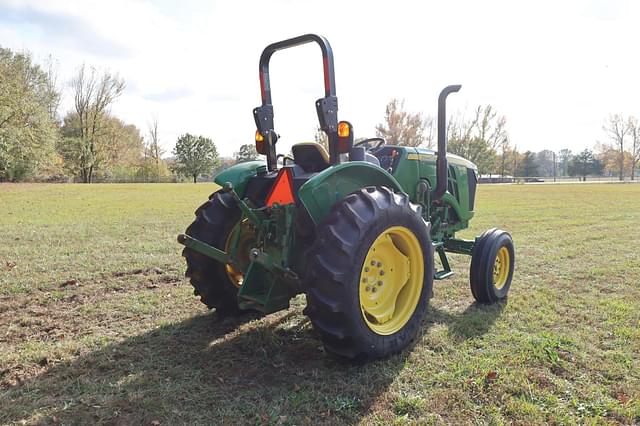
311, 156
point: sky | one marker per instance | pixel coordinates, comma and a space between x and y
555, 69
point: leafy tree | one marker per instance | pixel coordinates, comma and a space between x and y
564, 156
584, 164
124, 142
150, 170
545, 160
403, 128
529, 164
517, 162
28, 129
223, 164
117, 146
194, 156
246, 152
609, 158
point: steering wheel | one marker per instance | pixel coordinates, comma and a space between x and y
371, 143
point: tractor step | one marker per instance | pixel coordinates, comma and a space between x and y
441, 275
446, 271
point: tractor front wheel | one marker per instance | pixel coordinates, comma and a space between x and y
492, 264
371, 275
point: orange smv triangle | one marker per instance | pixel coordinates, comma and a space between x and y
282, 191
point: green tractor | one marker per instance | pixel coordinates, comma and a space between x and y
355, 229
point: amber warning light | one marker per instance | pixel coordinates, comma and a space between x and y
260, 143
344, 129
345, 137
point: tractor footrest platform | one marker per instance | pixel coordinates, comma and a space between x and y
441, 275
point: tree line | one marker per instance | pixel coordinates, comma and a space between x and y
482, 138
87, 142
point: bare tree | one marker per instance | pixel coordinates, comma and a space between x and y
53, 94
321, 138
429, 132
634, 132
490, 127
616, 130
403, 128
154, 148
479, 138
93, 95
504, 152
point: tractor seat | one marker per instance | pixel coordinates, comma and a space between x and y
311, 156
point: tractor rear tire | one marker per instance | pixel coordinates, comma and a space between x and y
492, 265
345, 295
215, 219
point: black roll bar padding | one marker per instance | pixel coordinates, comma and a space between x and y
327, 107
327, 57
441, 160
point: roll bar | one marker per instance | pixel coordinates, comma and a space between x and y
441, 160
326, 108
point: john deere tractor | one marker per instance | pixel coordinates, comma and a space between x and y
355, 229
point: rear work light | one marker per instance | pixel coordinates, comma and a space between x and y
260, 148
345, 137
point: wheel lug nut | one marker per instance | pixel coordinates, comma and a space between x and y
367, 288
379, 264
373, 263
366, 269
373, 290
379, 283
381, 272
364, 280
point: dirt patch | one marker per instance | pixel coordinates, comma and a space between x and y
138, 271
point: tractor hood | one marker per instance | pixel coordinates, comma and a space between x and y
451, 158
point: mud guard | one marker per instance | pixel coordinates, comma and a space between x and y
322, 191
239, 175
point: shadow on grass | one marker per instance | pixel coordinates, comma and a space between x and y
202, 371
475, 321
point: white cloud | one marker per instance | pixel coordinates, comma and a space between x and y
555, 69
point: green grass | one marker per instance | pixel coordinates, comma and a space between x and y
97, 324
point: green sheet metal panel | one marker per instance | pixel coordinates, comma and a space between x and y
322, 191
239, 175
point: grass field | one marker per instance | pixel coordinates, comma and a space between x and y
97, 324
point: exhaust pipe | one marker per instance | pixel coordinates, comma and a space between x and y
441, 160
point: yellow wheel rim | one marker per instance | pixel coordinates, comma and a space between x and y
391, 280
501, 268
242, 257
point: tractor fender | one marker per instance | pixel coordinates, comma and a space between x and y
322, 191
238, 175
